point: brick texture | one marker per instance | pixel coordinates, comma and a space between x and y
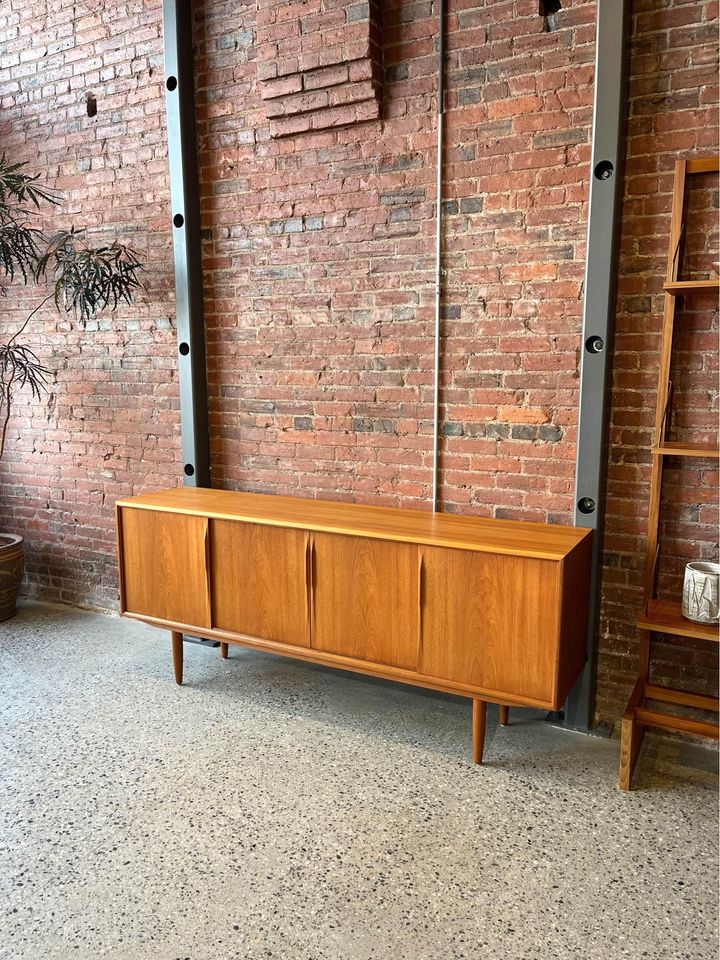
672, 112
319, 63
110, 423
318, 251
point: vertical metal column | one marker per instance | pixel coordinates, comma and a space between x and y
598, 319
438, 253
184, 194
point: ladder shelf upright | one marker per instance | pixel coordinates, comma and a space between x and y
662, 615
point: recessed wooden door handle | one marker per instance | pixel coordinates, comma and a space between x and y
310, 592
207, 571
307, 585
421, 603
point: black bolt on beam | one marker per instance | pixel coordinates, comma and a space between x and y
608, 144
187, 254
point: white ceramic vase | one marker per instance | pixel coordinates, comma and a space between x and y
701, 591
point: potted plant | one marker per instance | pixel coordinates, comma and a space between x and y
83, 280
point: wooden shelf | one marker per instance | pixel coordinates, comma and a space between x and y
703, 165
678, 287
679, 448
665, 616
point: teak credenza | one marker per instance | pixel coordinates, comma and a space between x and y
494, 610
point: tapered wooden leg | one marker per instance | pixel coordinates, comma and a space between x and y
479, 711
224, 650
631, 739
177, 651
631, 736
504, 714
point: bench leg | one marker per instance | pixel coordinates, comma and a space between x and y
177, 653
224, 650
504, 715
479, 711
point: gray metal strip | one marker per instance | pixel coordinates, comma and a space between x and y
438, 255
608, 147
187, 255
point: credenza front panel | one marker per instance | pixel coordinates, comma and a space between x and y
365, 599
260, 581
490, 621
165, 566
497, 608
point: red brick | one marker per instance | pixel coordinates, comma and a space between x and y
320, 284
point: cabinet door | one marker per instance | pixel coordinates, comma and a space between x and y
365, 599
260, 581
490, 621
164, 566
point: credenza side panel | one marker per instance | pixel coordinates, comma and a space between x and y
365, 599
490, 620
260, 581
164, 565
574, 620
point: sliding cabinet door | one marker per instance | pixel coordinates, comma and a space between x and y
365, 599
260, 581
164, 566
490, 621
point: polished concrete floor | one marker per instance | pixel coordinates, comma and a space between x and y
269, 810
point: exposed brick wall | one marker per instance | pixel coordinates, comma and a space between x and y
319, 63
319, 257
672, 112
110, 424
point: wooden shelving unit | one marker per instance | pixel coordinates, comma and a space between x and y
672, 448
678, 287
662, 615
665, 616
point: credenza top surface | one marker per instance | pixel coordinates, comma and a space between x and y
518, 538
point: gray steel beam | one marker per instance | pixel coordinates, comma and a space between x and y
438, 254
185, 212
608, 140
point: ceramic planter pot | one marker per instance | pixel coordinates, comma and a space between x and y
701, 602
12, 565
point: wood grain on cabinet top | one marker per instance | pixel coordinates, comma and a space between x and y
513, 537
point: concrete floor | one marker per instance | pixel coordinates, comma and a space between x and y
274, 810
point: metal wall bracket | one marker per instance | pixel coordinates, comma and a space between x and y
608, 148
187, 254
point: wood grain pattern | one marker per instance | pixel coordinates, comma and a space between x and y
478, 723
176, 640
678, 287
683, 697
164, 566
397, 674
703, 165
662, 403
675, 448
365, 602
491, 621
516, 538
259, 581
665, 616
574, 609
668, 721
631, 736
479, 622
